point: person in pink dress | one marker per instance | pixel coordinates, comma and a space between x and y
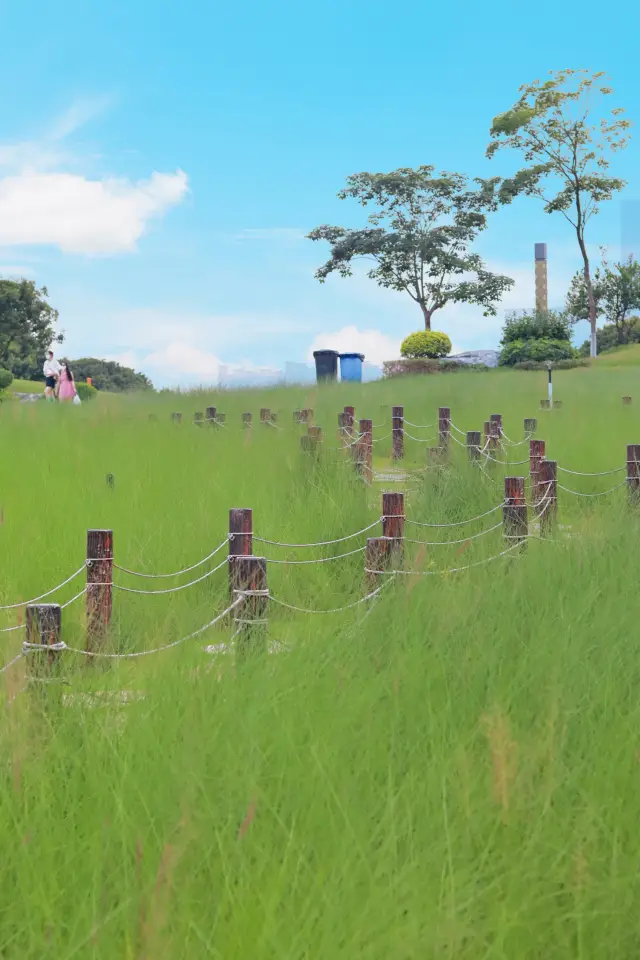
66, 384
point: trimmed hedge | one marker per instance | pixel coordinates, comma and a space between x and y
400, 368
521, 351
425, 343
6, 378
557, 365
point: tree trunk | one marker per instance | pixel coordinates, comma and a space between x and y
426, 313
590, 297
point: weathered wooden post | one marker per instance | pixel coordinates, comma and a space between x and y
473, 445
627, 401
315, 433
494, 435
536, 456
250, 586
198, 418
633, 473
548, 485
496, 418
545, 404
557, 404
306, 415
240, 538
176, 417
246, 421
349, 420
43, 623
514, 523
364, 450
444, 428
377, 558
265, 415
397, 432
99, 584
297, 414
210, 415
530, 426
393, 521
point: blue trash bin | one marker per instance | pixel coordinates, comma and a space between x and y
351, 367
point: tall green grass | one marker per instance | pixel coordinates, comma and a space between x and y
452, 772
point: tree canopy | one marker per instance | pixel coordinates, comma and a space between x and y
616, 293
566, 139
418, 236
27, 327
109, 376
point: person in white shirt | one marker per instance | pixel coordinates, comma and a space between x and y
51, 370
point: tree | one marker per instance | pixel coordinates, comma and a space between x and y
27, 324
109, 376
565, 142
418, 237
616, 293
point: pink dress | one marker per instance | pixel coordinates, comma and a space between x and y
67, 390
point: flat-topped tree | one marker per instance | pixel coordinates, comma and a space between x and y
418, 236
566, 138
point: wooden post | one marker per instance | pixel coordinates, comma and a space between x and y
545, 405
633, 472
240, 537
473, 445
99, 584
536, 456
364, 450
198, 418
250, 583
487, 434
494, 434
349, 420
43, 624
496, 418
273, 418
315, 433
444, 428
265, 415
342, 434
176, 417
626, 401
210, 415
548, 486
246, 421
393, 521
557, 404
377, 558
530, 426
397, 432
221, 419
297, 414
514, 523
309, 444
306, 415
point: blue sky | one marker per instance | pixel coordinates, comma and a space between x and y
160, 164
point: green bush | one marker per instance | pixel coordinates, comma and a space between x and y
550, 325
520, 351
6, 378
85, 391
426, 343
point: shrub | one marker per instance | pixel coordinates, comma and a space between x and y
426, 343
550, 325
398, 368
6, 378
519, 351
85, 391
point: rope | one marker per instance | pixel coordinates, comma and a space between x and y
419, 426
24, 603
603, 493
380, 439
339, 556
167, 646
457, 523
11, 663
453, 427
448, 543
436, 573
348, 606
604, 473
417, 439
515, 443
150, 593
165, 576
318, 543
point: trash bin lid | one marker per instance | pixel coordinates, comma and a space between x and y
352, 356
325, 353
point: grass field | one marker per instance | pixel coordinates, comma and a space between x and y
451, 771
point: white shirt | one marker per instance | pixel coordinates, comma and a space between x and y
51, 368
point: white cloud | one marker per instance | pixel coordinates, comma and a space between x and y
14, 272
43, 204
83, 216
375, 345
